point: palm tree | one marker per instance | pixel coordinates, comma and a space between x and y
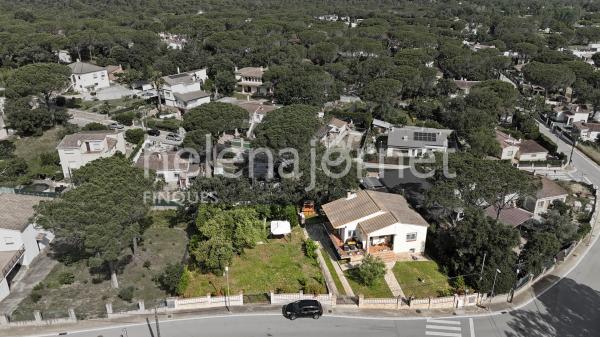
158, 81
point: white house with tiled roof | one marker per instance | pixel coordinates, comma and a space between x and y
184, 90
250, 81
549, 192
87, 77
372, 222
80, 148
20, 240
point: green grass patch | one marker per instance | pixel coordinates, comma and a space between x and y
163, 242
590, 151
334, 275
421, 278
279, 265
379, 290
30, 148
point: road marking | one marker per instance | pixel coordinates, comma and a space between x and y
442, 327
447, 334
472, 327
441, 321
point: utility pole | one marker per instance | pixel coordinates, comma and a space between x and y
156, 320
482, 265
493, 285
574, 143
227, 295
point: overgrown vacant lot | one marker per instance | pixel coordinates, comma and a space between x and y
88, 293
278, 265
420, 278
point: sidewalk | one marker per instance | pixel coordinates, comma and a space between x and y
391, 281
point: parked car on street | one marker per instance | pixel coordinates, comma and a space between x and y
303, 308
174, 137
116, 126
154, 132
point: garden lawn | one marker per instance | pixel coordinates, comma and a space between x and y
279, 265
89, 292
409, 274
379, 290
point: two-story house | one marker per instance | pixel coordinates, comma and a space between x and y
587, 132
184, 90
87, 77
80, 148
20, 239
413, 141
371, 222
250, 81
549, 192
333, 132
508, 145
170, 167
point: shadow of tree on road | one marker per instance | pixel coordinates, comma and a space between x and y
567, 309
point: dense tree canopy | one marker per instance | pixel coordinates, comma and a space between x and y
99, 219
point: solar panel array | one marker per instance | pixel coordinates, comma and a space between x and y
425, 136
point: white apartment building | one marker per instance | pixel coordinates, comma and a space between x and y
87, 77
80, 148
184, 90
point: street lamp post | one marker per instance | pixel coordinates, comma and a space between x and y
494, 284
227, 280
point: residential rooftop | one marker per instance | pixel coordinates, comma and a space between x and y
505, 140
366, 203
512, 216
191, 96
17, 209
531, 146
251, 72
550, 189
416, 137
75, 140
84, 68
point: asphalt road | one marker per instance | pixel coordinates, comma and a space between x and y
586, 168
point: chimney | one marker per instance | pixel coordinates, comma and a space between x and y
350, 195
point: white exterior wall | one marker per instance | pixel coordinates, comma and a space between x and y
413, 152
4, 289
72, 159
90, 81
191, 104
585, 136
539, 156
509, 152
351, 226
14, 240
400, 231
577, 117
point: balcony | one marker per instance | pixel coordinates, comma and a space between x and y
9, 259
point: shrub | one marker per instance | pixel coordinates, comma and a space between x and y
94, 127
134, 136
147, 264
6, 149
126, 294
66, 277
125, 118
171, 278
169, 124
370, 270
459, 285
35, 296
310, 249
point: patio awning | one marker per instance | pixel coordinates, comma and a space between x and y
279, 227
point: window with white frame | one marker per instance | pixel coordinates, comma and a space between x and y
411, 236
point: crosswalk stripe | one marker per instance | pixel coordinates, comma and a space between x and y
443, 327
441, 321
446, 334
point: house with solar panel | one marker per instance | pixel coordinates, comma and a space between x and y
184, 90
414, 141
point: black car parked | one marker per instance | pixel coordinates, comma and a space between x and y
303, 308
154, 132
